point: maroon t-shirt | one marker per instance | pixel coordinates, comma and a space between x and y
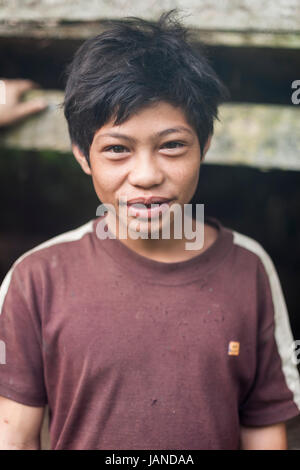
132, 353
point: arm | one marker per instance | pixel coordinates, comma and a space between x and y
275, 390
20, 425
271, 437
11, 107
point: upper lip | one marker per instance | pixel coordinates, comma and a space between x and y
149, 200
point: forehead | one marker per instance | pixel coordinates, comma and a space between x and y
150, 121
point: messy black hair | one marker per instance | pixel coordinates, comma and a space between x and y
135, 63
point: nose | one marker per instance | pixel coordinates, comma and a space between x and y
145, 171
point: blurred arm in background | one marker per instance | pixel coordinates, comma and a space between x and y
12, 109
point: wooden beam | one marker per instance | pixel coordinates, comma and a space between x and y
85, 30
237, 15
242, 23
263, 136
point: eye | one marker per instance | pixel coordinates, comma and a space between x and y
173, 145
116, 149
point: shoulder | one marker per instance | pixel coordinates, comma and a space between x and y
60, 249
71, 239
252, 249
254, 261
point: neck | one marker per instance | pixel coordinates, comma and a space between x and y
164, 248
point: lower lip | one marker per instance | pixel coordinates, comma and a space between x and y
147, 213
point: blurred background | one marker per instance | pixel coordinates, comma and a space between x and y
250, 179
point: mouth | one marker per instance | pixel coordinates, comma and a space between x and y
146, 211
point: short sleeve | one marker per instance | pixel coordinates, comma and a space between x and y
275, 393
21, 361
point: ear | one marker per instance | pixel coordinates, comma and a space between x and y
81, 159
207, 145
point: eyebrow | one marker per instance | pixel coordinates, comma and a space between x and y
171, 130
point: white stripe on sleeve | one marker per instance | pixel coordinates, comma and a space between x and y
283, 334
69, 236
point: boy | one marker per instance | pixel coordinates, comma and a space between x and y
140, 343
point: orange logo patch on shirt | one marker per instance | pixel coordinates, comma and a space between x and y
233, 348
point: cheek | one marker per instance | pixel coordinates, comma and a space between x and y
185, 177
186, 172
106, 177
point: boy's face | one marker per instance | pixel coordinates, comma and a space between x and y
154, 153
